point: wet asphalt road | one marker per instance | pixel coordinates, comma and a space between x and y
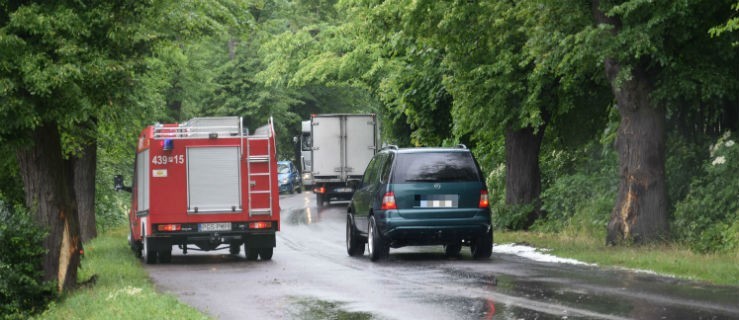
312, 277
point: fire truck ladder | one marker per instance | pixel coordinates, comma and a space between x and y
259, 168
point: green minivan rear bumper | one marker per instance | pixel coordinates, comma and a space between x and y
432, 226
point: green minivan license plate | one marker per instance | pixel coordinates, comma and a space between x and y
437, 201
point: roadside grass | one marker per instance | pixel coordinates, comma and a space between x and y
122, 289
664, 259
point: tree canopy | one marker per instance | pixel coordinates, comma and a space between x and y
542, 91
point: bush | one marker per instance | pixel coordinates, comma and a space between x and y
511, 217
683, 156
706, 219
578, 191
22, 289
111, 209
582, 200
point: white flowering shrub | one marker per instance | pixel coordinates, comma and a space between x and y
707, 219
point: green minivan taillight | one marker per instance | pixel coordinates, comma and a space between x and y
388, 201
484, 202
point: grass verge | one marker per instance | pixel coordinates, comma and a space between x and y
666, 259
122, 289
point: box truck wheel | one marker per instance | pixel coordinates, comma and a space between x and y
319, 200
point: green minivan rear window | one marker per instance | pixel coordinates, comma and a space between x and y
435, 167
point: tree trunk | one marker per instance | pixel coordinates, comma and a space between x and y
175, 108
640, 212
50, 196
523, 177
84, 190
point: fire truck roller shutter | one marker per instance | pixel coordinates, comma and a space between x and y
213, 179
142, 180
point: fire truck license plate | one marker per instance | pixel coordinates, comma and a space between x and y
223, 226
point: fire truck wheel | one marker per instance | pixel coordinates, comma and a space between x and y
266, 253
292, 188
251, 253
235, 248
149, 255
135, 245
165, 255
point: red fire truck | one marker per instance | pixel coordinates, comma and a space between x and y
208, 183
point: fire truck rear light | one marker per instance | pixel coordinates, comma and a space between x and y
169, 227
320, 190
260, 225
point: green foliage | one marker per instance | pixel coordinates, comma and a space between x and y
582, 199
511, 217
684, 155
729, 27
505, 216
706, 219
259, 76
11, 186
22, 289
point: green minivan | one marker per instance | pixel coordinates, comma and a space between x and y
420, 196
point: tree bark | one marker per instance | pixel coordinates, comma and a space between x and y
85, 167
640, 212
523, 177
49, 194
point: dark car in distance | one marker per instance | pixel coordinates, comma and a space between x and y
288, 177
420, 196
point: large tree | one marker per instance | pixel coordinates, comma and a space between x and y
659, 59
64, 66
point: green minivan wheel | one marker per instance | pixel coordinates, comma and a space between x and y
354, 243
482, 247
377, 248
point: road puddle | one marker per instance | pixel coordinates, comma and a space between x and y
303, 216
309, 309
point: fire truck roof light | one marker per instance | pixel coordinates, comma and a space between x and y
167, 144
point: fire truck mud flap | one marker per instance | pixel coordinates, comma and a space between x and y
260, 241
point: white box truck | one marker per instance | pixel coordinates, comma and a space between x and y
343, 145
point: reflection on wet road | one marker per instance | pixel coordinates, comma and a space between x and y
312, 277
